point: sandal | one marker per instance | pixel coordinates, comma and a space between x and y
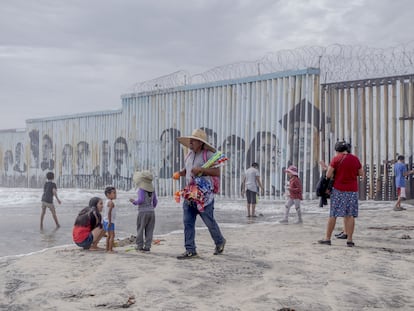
325, 242
341, 236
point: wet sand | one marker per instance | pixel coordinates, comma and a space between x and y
265, 266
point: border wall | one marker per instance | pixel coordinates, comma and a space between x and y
273, 119
272, 116
376, 116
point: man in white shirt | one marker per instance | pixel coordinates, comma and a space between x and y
250, 185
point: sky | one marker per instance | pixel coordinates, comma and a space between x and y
62, 57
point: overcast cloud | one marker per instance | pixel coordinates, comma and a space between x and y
62, 57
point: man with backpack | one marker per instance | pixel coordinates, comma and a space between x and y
199, 152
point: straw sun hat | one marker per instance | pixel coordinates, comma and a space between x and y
199, 135
143, 180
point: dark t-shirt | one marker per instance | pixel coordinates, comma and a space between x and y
48, 192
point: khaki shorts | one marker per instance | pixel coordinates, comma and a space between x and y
51, 206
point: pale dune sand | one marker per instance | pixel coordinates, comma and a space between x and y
264, 267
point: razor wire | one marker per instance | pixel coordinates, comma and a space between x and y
337, 63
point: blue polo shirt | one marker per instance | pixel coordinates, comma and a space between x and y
399, 170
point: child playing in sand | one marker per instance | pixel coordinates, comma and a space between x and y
49, 191
295, 194
109, 213
146, 202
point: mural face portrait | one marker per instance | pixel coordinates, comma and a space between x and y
67, 159
170, 153
82, 153
8, 163
120, 156
47, 154
20, 165
106, 154
300, 130
302, 122
34, 148
265, 150
211, 136
234, 148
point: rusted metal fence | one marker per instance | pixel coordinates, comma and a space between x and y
376, 116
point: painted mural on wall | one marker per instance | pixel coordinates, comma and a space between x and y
20, 165
8, 163
234, 147
265, 150
250, 120
171, 160
34, 148
100, 176
171, 153
13, 165
303, 125
105, 163
48, 163
67, 160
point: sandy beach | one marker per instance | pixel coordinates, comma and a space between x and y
265, 266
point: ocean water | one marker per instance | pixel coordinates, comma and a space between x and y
20, 216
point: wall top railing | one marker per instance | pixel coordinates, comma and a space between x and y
267, 76
368, 82
76, 116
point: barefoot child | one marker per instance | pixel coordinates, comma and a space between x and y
146, 201
109, 218
49, 191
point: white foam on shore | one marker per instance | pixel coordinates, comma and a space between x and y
11, 257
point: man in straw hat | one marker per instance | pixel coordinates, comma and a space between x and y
200, 150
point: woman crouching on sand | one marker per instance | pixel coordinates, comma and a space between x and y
88, 231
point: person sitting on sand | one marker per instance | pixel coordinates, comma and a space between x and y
87, 230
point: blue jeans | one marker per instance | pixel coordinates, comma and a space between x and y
189, 219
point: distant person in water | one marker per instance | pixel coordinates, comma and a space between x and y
49, 191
